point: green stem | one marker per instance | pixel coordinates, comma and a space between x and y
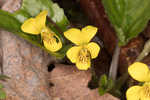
120, 82
1, 58
145, 51
114, 63
55, 25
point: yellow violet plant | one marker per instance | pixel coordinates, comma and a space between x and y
84, 50
37, 25
140, 72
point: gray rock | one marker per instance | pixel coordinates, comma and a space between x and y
71, 84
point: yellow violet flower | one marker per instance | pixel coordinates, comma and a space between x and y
140, 72
37, 26
84, 51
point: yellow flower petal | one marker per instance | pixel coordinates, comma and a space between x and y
80, 37
35, 25
51, 41
145, 99
84, 59
73, 52
41, 19
83, 66
88, 32
53, 44
139, 71
74, 35
133, 93
30, 26
94, 49
145, 91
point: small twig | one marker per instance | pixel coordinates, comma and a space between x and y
1, 58
55, 25
114, 63
145, 51
1, 62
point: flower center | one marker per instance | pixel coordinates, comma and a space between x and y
84, 56
49, 36
146, 90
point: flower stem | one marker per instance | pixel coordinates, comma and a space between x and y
55, 25
114, 63
121, 80
145, 51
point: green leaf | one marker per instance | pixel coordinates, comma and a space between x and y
59, 17
105, 85
101, 91
2, 94
34, 7
103, 80
8, 22
129, 17
21, 15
